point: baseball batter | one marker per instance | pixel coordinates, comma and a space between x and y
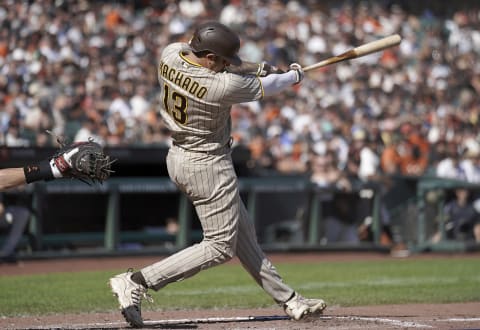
198, 88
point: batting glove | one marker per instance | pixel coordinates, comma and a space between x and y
264, 69
298, 71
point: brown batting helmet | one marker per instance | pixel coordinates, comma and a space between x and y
218, 39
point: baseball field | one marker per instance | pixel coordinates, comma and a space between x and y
362, 290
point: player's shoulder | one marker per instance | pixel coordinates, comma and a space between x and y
175, 47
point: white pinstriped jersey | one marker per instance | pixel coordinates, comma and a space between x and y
196, 101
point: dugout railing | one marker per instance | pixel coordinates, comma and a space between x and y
289, 213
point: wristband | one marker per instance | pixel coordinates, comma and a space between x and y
38, 172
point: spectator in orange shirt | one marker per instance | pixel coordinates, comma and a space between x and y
413, 151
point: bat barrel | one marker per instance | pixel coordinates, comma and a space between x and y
365, 49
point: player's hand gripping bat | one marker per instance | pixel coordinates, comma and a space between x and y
365, 49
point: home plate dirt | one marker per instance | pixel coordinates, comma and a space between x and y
405, 316
411, 316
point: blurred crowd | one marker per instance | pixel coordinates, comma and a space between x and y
84, 69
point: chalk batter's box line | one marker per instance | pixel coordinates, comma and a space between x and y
220, 320
111, 325
282, 318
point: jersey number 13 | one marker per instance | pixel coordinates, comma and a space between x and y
175, 104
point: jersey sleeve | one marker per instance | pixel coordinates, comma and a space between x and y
241, 88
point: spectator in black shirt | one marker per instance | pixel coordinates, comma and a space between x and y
461, 219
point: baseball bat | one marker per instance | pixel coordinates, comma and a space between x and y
365, 49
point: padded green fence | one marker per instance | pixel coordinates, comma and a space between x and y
303, 225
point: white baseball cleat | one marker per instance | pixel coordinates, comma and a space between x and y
129, 295
299, 307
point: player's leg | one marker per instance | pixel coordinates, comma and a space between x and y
256, 263
209, 183
265, 274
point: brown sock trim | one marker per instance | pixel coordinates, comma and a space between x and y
138, 278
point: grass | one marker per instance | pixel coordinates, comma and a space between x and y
229, 286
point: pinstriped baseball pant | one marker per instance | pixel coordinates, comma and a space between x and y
210, 182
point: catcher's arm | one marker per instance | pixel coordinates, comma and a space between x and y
11, 177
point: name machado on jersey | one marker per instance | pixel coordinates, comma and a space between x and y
182, 81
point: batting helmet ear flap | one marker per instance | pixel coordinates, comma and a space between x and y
218, 39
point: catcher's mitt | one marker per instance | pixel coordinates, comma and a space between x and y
84, 161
